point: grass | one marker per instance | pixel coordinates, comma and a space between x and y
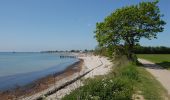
121, 84
160, 59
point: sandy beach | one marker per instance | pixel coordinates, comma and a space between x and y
97, 65
92, 66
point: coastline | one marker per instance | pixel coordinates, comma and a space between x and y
41, 84
52, 88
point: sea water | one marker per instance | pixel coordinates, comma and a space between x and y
19, 69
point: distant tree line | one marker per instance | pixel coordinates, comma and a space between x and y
72, 51
151, 50
109, 52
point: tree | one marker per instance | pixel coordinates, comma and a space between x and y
126, 26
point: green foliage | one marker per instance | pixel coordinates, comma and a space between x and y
108, 52
103, 89
126, 26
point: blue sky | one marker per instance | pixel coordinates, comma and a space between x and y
35, 25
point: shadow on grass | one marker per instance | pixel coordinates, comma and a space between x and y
164, 64
161, 65
152, 66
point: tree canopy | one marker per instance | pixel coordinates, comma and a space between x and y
127, 25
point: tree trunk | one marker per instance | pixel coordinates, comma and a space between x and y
130, 52
129, 43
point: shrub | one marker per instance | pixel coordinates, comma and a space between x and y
105, 89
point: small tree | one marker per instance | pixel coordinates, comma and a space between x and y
126, 26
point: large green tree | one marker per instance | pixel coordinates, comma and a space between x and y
126, 26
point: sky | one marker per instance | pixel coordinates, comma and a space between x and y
39, 25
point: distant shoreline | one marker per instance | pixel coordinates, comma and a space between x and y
42, 83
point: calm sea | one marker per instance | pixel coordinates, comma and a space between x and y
23, 68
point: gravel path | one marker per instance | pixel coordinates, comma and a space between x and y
162, 75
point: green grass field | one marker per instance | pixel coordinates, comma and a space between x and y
160, 59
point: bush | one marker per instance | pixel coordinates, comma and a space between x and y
105, 89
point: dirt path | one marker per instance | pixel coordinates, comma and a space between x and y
162, 75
